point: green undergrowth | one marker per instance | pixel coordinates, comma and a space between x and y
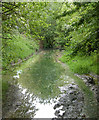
81, 64
17, 48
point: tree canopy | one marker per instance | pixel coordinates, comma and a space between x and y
54, 24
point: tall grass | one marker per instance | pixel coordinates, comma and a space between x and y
81, 64
18, 47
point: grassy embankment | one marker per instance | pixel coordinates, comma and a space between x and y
14, 50
81, 64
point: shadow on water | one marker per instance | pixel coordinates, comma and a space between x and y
43, 76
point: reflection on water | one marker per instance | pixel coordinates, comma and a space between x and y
27, 104
39, 86
40, 90
43, 77
44, 109
17, 75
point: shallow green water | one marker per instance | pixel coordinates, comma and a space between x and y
42, 76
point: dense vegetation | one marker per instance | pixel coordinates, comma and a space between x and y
82, 38
72, 26
31, 26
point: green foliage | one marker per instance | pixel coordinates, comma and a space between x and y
63, 25
73, 26
80, 27
16, 48
81, 64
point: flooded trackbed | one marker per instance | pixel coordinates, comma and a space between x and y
45, 89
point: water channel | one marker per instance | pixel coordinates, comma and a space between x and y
46, 89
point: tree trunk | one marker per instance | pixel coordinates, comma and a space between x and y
41, 45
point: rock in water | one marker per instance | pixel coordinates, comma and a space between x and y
90, 80
71, 102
